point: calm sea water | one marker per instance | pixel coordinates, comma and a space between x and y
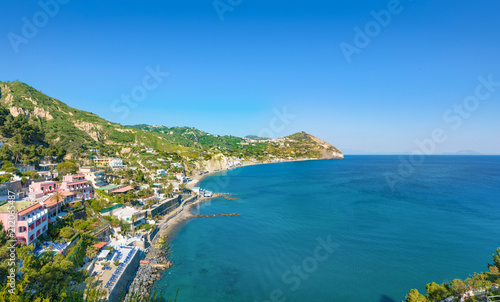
335, 231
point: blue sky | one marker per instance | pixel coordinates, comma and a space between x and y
231, 75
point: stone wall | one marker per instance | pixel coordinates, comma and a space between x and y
120, 289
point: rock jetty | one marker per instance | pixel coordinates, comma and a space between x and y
149, 271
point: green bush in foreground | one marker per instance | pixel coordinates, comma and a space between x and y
457, 287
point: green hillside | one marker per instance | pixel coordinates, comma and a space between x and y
78, 131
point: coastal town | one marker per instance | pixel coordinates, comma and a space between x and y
122, 216
121, 207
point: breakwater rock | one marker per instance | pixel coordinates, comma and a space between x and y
227, 196
148, 272
214, 215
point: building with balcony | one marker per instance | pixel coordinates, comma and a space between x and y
57, 201
112, 162
163, 207
72, 184
77, 183
96, 178
101, 162
27, 219
115, 163
24, 168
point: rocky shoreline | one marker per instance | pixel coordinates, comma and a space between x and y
149, 271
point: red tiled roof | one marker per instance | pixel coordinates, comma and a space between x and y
100, 245
29, 209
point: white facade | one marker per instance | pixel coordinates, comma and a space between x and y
115, 162
25, 168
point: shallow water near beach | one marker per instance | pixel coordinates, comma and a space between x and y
335, 231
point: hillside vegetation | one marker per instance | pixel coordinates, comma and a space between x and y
78, 131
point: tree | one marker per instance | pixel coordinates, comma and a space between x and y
5, 153
9, 167
169, 189
91, 252
96, 206
133, 219
458, 287
57, 196
23, 180
415, 296
3, 235
67, 232
17, 152
33, 175
477, 282
436, 292
46, 276
66, 167
496, 258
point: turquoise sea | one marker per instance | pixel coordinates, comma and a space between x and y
334, 230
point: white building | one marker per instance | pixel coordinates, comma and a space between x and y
126, 214
161, 172
25, 168
115, 162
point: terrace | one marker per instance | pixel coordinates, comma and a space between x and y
109, 274
18, 204
50, 246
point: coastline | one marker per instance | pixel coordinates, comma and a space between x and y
183, 212
198, 178
157, 254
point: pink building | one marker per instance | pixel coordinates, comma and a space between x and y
70, 183
30, 219
77, 183
39, 189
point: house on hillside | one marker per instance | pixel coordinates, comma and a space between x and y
115, 163
112, 162
130, 215
39, 189
87, 169
96, 177
24, 168
47, 167
79, 184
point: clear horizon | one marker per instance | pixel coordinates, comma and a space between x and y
378, 77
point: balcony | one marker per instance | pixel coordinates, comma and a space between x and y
37, 216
